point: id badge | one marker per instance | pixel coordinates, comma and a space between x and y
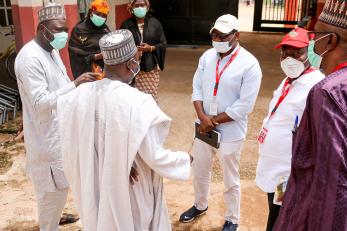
262, 135
213, 109
280, 190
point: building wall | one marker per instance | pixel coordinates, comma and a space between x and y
121, 11
320, 5
25, 22
111, 19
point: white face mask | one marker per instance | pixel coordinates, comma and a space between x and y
292, 68
222, 47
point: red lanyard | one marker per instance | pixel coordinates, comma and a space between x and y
219, 74
285, 91
339, 67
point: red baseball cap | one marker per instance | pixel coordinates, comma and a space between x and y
296, 38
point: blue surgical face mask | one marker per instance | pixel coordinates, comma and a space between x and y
314, 58
59, 41
97, 20
140, 12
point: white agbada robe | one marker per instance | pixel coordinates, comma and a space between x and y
106, 127
42, 78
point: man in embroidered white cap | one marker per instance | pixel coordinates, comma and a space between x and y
42, 78
106, 128
225, 88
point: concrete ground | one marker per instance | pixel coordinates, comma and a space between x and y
16, 193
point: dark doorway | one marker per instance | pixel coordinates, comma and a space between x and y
189, 21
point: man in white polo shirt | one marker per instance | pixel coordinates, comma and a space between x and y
285, 111
225, 88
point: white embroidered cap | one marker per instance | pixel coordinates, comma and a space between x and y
117, 47
51, 11
335, 13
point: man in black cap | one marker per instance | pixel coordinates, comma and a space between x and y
42, 78
316, 196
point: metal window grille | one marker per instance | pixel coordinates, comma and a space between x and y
5, 8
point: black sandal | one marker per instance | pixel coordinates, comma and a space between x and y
67, 218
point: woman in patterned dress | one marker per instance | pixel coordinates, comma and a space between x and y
150, 38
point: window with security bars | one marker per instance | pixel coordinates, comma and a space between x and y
5, 13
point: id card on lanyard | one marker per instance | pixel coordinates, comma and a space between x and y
264, 130
213, 107
285, 90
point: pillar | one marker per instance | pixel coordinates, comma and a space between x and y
122, 12
25, 20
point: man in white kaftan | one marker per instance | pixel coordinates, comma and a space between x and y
42, 78
106, 128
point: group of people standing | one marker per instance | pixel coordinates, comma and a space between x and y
149, 36
104, 139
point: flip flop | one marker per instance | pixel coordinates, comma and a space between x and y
67, 218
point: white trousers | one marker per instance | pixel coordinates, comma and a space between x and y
229, 159
50, 208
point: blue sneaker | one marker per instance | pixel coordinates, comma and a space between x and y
229, 226
191, 214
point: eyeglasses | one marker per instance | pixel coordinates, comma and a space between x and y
220, 36
291, 53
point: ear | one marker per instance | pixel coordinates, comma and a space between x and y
332, 43
237, 35
128, 63
41, 28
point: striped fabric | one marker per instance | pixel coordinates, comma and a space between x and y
148, 82
117, 47
335, 13
51, 11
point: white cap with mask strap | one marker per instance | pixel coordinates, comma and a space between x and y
226, 24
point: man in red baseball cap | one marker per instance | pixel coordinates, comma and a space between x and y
294, 58
285, 111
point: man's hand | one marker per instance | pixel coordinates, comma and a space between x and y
86, 77
206, 124
146, 48
98, 57
133, 176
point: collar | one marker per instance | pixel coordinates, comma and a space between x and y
305, 78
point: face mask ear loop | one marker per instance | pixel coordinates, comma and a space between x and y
321, 55
322, 37
48, 32
231, 42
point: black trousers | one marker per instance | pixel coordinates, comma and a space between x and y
273, 212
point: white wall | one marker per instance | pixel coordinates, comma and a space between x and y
111, 19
